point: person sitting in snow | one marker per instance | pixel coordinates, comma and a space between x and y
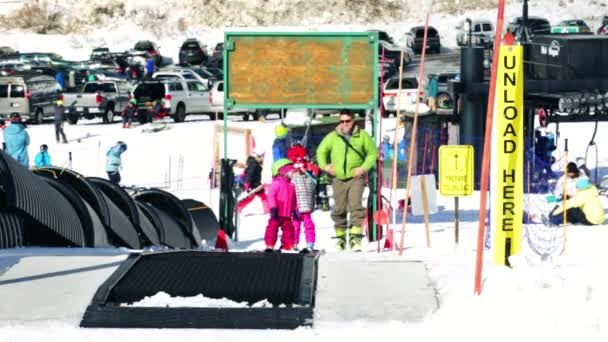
252, 181
584, 207
283, 207
572, 176
128, 113
43, 158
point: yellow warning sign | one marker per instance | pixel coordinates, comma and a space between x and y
456, 170
510, 145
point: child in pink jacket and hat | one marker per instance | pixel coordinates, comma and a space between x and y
282, 203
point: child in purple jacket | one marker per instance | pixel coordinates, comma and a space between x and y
282, 203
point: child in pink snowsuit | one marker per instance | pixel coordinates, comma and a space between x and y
305, 193
282, 204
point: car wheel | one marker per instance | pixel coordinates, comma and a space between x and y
39, 117
180, 113
219, 116
256, 115
246, 117
444, 101
108, 116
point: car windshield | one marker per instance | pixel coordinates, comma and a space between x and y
55, 57
216, 72
191, 46
99, 87
143, 46
203, 73
569, 23
406, 83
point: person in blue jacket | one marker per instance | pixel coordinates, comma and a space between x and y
280, 144
150, 67
43, 158
17, 140
59, 78
114, 163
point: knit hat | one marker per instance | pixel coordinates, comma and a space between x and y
572, 168
60, 102
258, 153
280, 131
583, 183
279, 164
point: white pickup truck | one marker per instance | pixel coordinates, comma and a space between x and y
407, 101
102, 99
217, 103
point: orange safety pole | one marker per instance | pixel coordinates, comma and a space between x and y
485, 169
414, 125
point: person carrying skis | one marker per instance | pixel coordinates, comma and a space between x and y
128, 113
252, 181
352, 153
305, 193
43, 158
17, 140
283, 207
114, 161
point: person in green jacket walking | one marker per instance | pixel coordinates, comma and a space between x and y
352, 153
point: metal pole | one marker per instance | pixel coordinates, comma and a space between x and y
456, 220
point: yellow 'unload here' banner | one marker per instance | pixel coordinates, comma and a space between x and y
510, 144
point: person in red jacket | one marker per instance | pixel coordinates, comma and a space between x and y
283, 206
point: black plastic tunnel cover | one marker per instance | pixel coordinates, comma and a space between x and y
171, 233
121, 231
11, 230
205, 219
78, 183
172, 206
95, 233
23, 191
147, 232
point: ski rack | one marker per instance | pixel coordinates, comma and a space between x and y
288, 281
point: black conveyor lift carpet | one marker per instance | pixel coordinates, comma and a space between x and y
288, 281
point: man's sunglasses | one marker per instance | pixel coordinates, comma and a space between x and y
345, 121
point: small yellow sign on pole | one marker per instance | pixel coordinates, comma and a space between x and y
456, 170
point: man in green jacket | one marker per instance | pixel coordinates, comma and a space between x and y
352, 153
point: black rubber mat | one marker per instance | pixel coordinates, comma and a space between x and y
288, 281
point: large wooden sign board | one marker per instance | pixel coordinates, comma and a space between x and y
301, 70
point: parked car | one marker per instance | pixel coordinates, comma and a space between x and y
571, 26
217, 58
193, 73
44, 58
12, 67
100, 54
409, 94
192, 52
482, 33
181, 97
7, 52
415, 39
536, 25
32, 95
102, 98
217, 103
603, 29
151, 48
444, 98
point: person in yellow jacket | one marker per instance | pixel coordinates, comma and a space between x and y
584, 207
352, 153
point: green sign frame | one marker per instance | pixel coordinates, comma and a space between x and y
284, 70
